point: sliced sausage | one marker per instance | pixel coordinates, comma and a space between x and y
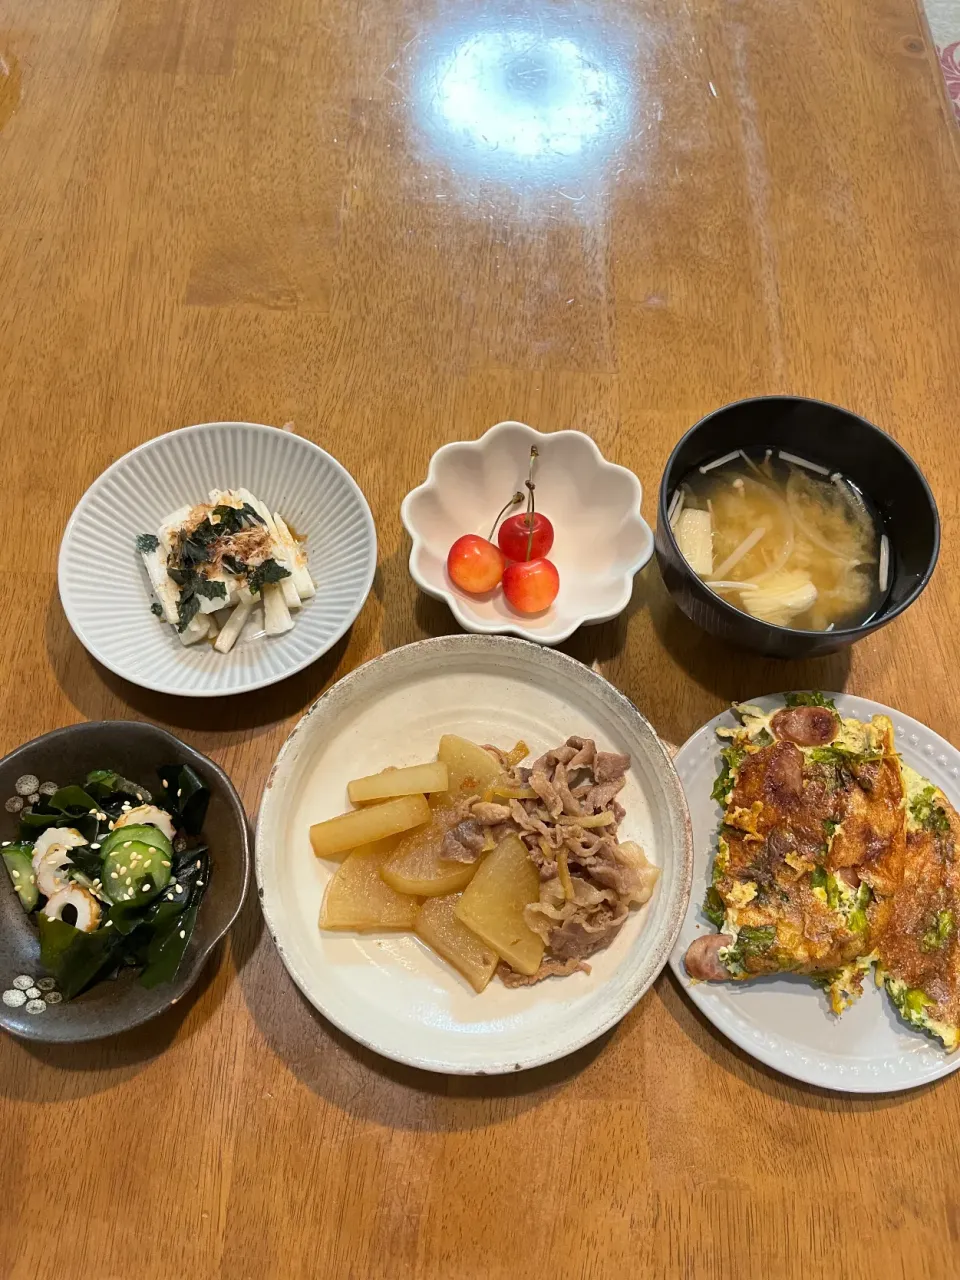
702, 960
806, 726
783, 782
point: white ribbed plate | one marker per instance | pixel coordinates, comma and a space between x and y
786, 1022
104, 587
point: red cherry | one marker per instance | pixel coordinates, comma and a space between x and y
475, 564
515, 540
531, 585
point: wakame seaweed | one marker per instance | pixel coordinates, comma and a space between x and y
150, 935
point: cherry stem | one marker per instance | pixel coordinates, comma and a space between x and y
517, 497
530, 486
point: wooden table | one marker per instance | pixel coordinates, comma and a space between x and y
396, 224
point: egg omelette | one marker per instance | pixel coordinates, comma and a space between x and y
811, 853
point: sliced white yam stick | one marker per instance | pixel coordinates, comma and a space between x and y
230, 632
695, 540
164, 587
279, 549
718, 462
276, 615
802, 462
231, 585
884, 563
301, 574
168, 530
745, 547
198, 628
214, 604
291, 595
718, 585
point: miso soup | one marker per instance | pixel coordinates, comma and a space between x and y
783, 539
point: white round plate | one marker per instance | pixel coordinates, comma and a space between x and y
390, 992
105, 590
785, 1022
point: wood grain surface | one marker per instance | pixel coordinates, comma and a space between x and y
396, 224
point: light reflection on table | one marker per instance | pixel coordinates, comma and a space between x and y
534, 103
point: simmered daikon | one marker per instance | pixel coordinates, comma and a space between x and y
358, 897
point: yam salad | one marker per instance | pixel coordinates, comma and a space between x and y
112, 876
498, 867
210, 564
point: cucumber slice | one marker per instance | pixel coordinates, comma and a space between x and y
18, 859
135, 872
152, 836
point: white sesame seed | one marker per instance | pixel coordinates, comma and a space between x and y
183, 933
199, 882
114, 876
108, 924
92, 813
179, 792
127, 844
165, 782
169, 897
5, 843
129, 880
16, 875
166, 864
94, 846
198, 864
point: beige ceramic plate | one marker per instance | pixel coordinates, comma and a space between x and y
388, 991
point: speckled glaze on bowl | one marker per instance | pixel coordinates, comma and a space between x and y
388, 990
602, 540
835, 438
136, 749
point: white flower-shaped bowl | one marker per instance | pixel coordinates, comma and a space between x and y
594, 505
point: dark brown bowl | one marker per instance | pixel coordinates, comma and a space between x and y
136, 750
835, 438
